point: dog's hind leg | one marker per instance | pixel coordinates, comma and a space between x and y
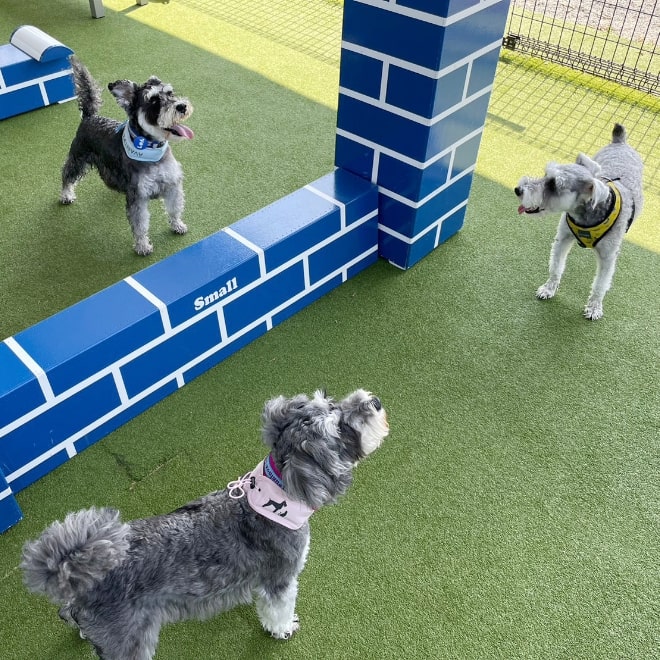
174, 203
558, 254
276, 611
137, 211
73, 170
134, 641
593, 310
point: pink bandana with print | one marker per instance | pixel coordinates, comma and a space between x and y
263, 487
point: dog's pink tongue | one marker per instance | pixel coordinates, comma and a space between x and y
184, 131
521, 209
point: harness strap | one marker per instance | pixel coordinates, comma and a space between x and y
588, 237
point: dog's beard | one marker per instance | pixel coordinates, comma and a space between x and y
170, 121
374, 433
531, 197
169, 126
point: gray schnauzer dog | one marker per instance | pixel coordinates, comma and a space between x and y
118, 583
599, 199
133, 157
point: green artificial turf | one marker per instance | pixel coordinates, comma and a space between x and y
513, 511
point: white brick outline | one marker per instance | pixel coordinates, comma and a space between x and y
114, 369
402, 157
7, 492
391, 6
384, 79
44, 96
416, 68
430, 196
406, 114
378, 150
329, 198
249, 244
4, 89
375, 165
434, 225
31, 364
154, 300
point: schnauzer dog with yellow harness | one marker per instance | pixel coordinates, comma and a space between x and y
599, 199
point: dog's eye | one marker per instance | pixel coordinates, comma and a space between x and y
376, 403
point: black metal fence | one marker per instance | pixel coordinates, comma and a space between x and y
578, 66
312, 27
614, 39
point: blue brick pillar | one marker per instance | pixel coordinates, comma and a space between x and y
415, 81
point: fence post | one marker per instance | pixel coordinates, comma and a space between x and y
415, 81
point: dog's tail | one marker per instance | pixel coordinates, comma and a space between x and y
619, 134
87, 89
70, 557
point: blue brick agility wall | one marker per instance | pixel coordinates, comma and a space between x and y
71, 379
34, 72
415, 83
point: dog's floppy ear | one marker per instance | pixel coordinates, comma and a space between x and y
554, 175
124, 92
276, 416
597, 192
315, 472
589, 163
553, 171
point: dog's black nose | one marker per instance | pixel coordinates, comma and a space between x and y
377, 403
517, 191
182, 108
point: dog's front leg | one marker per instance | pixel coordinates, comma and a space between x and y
558, 254
137, 211
174, 203
276, 611
593, 310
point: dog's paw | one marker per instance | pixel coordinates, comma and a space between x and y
547, 291
67, 616
67, 194
178, 227
288, 634
143, 247
593, 310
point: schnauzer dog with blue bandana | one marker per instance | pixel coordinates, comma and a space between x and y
133, 157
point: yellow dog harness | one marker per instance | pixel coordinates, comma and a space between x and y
589, 236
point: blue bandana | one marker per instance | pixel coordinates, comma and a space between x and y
140, 148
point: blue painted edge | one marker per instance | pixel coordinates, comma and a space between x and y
10, 512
